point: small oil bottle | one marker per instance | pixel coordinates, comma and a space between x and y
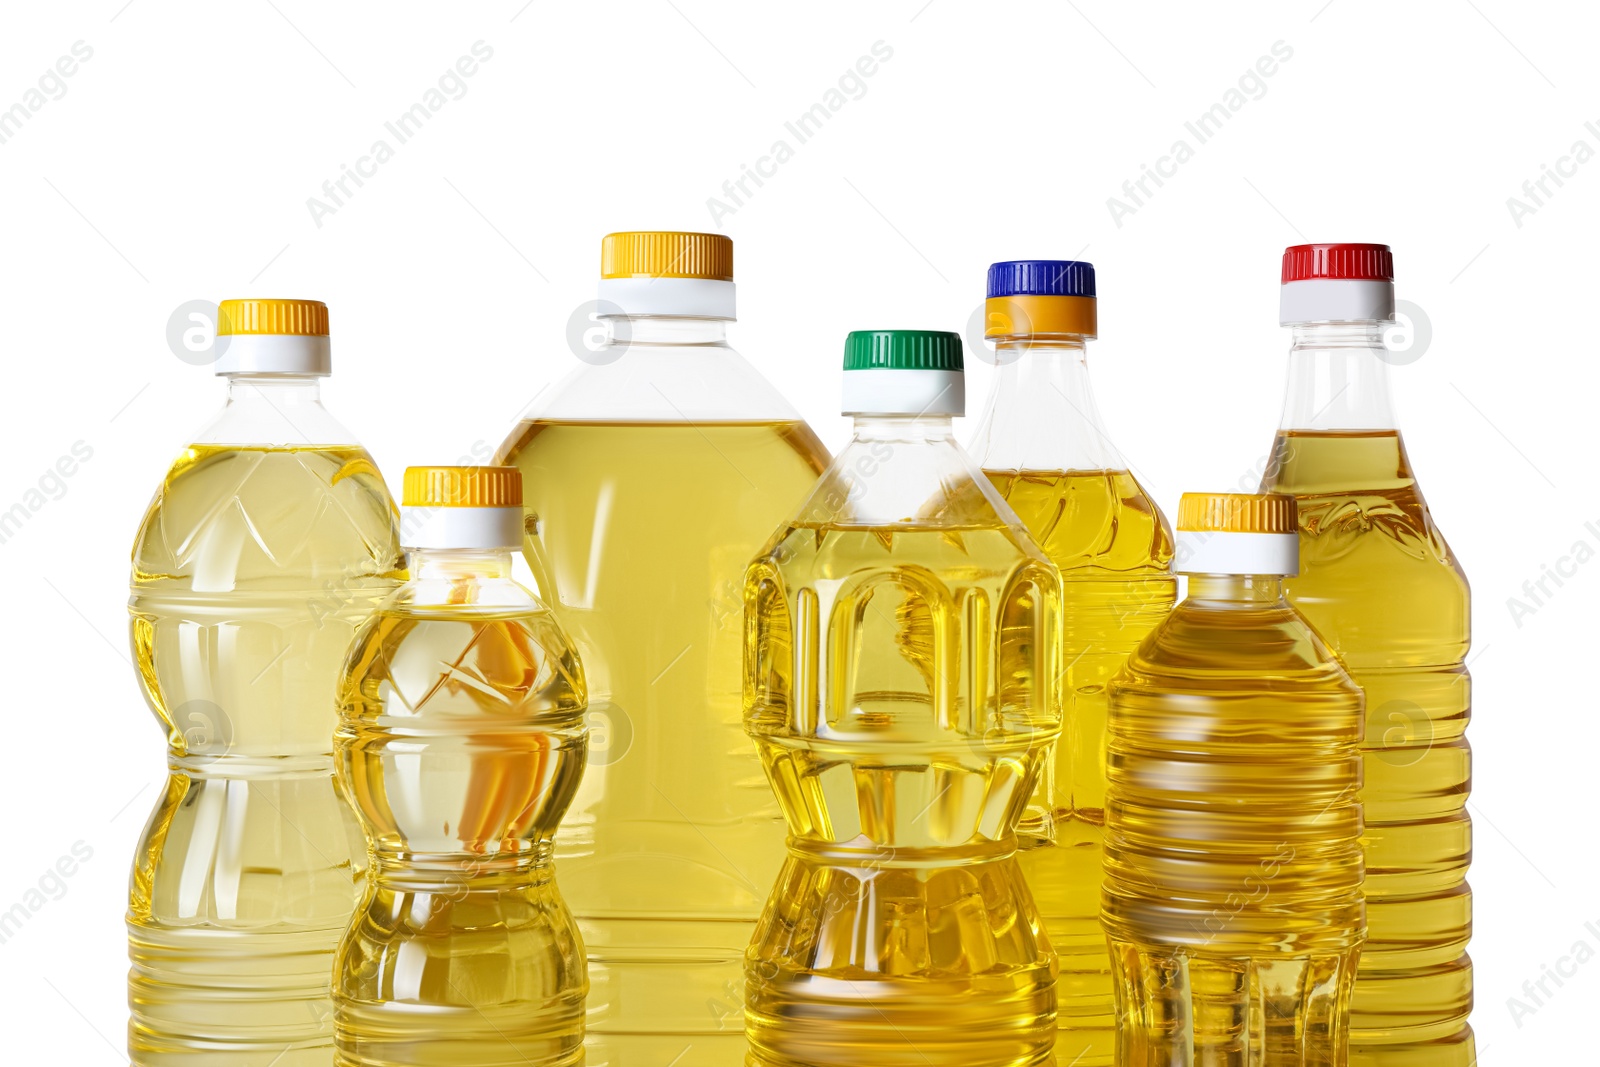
900, 672
461, 744
1233, 904
269, 541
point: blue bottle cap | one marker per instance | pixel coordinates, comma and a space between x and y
1041, 277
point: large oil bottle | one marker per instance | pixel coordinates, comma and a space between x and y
1043, 445
268, 542
460, 745
900, 685
1379, 582
1233, 822
651, 476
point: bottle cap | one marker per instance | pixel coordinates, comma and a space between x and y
1336, 283
273, 337
666, 254
461, 507
667, 272
1237, 533
903, 372
1032, 297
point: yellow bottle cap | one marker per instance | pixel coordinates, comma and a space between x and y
1262, 513
295, 318
666, 254
462, 487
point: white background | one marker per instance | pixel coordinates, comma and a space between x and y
178, 162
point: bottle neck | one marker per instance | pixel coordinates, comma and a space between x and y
275, 410
458, 564
275, 388
1236, 588
1042, 413
897, 469
1338, 378
667, 330
904, 428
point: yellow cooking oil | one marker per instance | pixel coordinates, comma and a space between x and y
898, 702
1233, 858
461, 743
1380, 584
902, 654
1044, 446
1114, 550
638, 535
252, 569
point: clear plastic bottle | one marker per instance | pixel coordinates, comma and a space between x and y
650, 478
1379, 582
1233, 821
900, 684
1042, 443
461, 743
268, 542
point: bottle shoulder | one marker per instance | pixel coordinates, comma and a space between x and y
1231, 647
1042, 414
783, 456
918, 482
1093, 524
226, 515
462, 650
425, 596
283, 413
663, 383
1362, 511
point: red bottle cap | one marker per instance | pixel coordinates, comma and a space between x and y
1373, 263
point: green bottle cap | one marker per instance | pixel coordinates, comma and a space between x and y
902, 350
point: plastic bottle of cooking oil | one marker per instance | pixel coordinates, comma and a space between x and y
650, 477
1233, 820
1042, 444
268, 542
461, 743
1379, 583
900, 684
